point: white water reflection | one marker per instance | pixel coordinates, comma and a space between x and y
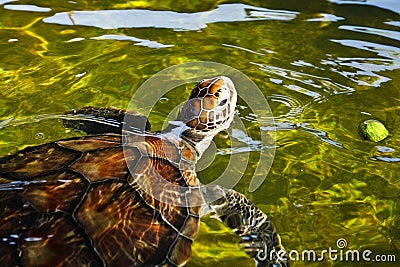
326, 18
140, 18
364, 70
392, 5
395, 35
316, 87
137, 41
31, 8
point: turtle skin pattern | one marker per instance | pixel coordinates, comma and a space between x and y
73, 203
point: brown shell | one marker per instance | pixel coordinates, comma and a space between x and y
74, 203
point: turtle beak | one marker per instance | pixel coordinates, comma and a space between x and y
231, 103
229, 84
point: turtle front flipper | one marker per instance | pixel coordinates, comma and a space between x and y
103, 120
259, 237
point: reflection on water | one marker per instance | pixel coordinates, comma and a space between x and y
391, 5
365, 69
136, 18
324, 66
31, 8
138, 41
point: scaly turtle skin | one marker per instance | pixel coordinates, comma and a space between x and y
92, 201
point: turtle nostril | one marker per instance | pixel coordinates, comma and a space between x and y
223, 102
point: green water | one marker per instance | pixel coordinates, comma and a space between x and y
324, 66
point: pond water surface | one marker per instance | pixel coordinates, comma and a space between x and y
324, 66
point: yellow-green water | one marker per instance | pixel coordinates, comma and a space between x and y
324, 66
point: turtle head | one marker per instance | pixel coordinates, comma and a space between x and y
209, 109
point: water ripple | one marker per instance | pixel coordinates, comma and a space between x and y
392, 5
364, 70
387, 159
293, 106
244, 49
381, 32
141, 18
138, 41
31, 8
326, 18
322, 135
317, 87
393, 23
12, 122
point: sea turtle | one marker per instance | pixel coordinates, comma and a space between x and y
130, 199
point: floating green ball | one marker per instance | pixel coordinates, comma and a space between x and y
373, 130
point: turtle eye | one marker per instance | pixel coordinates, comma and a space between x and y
217, 93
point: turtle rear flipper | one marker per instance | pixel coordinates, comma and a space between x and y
259, 237
104, 120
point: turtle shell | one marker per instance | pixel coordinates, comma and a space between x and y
106, 120
74, 202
